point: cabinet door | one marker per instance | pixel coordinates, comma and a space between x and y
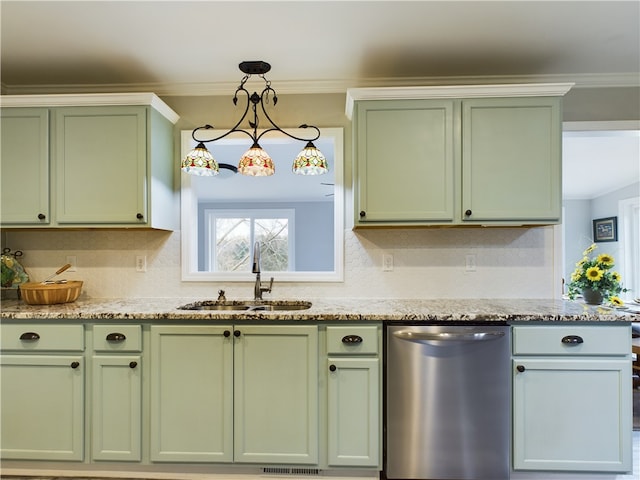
353, 412
276, 394
572, 415
25, 166
405, 161
116, 416
101, 158
42, 414
511, 159
191, 394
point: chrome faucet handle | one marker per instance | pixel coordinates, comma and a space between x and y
221, 297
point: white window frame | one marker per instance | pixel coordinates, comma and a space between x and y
629, 246
211, 214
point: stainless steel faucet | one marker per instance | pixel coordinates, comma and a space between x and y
258, 289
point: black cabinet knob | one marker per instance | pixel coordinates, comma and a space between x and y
468, 213
41, 216
520, 368
139, 216
116, 337
363, 214
333, 368
133, 364
31, 336
236, 333
352, 339
226, 333
75, 364
572, 340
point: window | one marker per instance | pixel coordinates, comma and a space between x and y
231, 235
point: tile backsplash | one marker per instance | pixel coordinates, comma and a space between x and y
427, 263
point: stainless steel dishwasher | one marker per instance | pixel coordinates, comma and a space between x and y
447, 402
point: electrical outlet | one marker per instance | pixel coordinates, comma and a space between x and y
387, 262
470, 265
141, 263
73, 261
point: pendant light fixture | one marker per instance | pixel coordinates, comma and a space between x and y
255, 161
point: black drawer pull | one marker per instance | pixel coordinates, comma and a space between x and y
236, 333
133, 364
75, 364
333, 368
520, 368
116, 337
352, 339
572, 340
29, 336
226, 333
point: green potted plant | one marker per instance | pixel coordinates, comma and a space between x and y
595, 279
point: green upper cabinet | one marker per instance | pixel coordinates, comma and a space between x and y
511, 159
24, 166
405, 160
488, 155
111, 162
101, 165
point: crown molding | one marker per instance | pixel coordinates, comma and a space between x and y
455, 91
588, 80
87, 99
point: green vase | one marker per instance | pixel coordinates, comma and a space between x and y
592, 297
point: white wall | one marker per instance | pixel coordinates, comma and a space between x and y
428, 263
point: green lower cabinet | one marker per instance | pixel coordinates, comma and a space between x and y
276, 394
191, 394
244, 394
42, 414
353, 412
572, 414
116, 428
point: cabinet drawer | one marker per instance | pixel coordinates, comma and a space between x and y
31, 337
572, 340
117, 338
355, 340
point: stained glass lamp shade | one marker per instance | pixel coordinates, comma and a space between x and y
310, 161
199, 161
256, 162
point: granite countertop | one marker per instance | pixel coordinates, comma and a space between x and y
330, 309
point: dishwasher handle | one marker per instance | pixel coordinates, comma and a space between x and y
447, 336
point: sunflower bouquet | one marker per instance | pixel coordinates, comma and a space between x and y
596, 274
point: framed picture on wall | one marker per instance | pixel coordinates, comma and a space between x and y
605, 229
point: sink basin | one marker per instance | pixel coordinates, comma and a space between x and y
248, 306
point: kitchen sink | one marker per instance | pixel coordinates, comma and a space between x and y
248, 306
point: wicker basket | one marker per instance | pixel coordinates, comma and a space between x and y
35, 293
